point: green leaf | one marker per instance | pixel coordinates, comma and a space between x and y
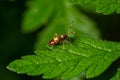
92, 55
37, 14
100, 6
117, 75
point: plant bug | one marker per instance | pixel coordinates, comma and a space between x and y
61, 38
58, 39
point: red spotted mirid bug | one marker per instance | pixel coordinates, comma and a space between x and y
57, 39
65, 38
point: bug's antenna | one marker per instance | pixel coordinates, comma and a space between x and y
70, 32
70, 27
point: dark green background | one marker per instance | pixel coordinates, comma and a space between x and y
14, 44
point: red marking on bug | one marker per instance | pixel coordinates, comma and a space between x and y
52, 42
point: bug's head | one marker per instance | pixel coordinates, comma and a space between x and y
52, 42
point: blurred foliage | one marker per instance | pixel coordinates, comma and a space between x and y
100, 6
13, 43
117, 75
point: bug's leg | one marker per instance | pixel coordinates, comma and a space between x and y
56, 35
50, 47
69, 28
63, 45
68, 42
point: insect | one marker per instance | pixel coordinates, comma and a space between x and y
60, 39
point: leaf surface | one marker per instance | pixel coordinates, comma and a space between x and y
87, 53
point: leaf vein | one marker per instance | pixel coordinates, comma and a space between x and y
97, 47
